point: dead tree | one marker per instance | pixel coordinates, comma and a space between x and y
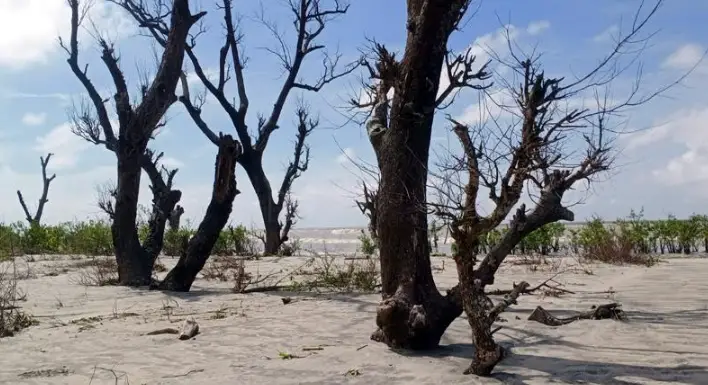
367, 206
137, 125
413, 313
534, 152
173, 221
310, 20
34, 220
197, 250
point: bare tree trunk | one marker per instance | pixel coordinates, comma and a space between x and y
270, 212
175, 218
134, 264
413, 313
192, 260
408, 288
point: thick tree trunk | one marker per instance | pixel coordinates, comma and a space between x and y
413, 314
270, 212
272, 234
134, 264
197, 252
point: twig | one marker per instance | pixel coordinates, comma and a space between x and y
185, 374
531, 290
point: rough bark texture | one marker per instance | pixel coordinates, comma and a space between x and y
413, 313
270, 210
192, 260
134, 265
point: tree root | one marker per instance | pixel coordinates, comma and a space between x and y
485, 361
607, 311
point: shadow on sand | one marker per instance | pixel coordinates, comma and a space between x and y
555, 370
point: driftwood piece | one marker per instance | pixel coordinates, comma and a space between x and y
607, 311
162, 331
190, 328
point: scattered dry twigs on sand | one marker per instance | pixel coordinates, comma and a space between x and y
555, 288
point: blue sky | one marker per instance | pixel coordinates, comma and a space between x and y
663, 167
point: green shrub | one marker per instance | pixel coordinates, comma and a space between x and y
94, 238
367, 246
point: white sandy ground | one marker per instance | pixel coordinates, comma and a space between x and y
665, 340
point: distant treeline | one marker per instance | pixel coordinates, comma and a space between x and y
671, 235
94, 238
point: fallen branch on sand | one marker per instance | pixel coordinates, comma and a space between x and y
607, 311
162, 331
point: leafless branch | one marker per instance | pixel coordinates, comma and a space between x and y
106, 198
37, 217
460, 72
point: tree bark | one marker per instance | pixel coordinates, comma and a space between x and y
134, 264
199, 247
137, 124
413, 313
270, 212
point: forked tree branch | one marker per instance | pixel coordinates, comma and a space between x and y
301, 153
37, 217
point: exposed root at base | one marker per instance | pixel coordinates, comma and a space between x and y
485, 361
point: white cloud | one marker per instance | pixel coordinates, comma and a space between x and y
211, 73
688, 129
538, 27
494, 104
685, 57
33, 119
347, 155
65, 146
171, 162
494, 42
689, 167
29, 28
606, 35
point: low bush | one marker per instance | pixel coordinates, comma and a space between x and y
12, 318
93, 238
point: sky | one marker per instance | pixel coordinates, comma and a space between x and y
662, 163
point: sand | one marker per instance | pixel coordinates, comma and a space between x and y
96, 334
